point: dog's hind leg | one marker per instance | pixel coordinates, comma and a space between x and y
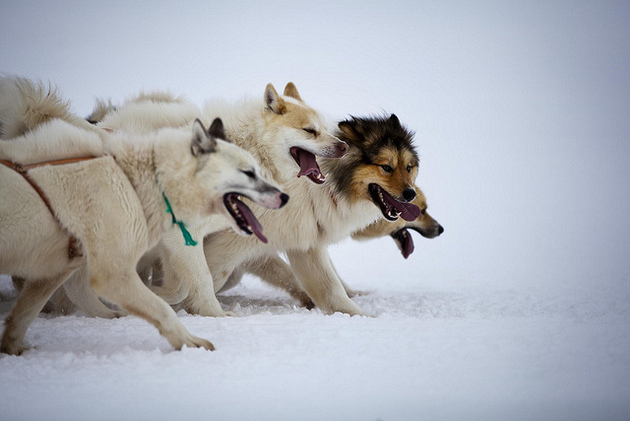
321, 282
186, 272
29, 303
275, 271
125, 288
78, 290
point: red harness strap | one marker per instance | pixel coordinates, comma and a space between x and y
73, 244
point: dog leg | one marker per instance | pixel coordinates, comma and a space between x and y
351, 292
275, 271
321, 282
79, 292
126, 289
234, 279
29, 303
172, 287
187, 278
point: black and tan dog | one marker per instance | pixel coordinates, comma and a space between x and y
374, 180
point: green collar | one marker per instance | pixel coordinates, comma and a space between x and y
187, 237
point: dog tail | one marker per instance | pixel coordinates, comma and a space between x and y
25, 105
101, 109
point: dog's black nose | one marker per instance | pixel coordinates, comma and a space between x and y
284, 198
440, 230
409, 194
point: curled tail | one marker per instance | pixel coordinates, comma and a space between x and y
26, 105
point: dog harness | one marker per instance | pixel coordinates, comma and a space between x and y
74, 248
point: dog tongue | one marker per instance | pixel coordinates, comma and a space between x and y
408, 211
251, 220
405, 242
308, 165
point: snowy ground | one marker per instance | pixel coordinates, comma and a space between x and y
440, 352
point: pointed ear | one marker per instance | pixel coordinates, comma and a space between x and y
216, 130
202, 141
273, 102
394, 120
350, 130
291, 91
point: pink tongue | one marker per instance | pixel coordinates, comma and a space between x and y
251, 220
408, 211
407, 243
308, 164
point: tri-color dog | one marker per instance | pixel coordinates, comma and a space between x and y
374, 180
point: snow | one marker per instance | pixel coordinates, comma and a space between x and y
518, 311
436, 354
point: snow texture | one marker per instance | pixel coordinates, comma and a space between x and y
519, 311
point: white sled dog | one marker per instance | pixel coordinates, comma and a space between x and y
282, 132
375, 179
144, 114
102, 214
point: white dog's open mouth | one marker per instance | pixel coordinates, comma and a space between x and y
392, 208
308, 165
243, 216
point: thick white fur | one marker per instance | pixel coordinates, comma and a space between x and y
314, 218
276, 123
116, 210
185, 271
25, 105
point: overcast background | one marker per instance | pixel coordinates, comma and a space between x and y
521, 112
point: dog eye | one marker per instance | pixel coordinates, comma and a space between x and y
249, 173
310, 131
409, 168
387, 168
423, 211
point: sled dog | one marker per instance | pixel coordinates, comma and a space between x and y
282, 132
399, 230
275, 271
116, 206
374, 180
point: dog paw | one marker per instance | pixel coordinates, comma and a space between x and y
207, 311
13, 349
195, 342
354, 293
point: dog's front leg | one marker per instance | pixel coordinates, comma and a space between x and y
186, 273
321, 282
